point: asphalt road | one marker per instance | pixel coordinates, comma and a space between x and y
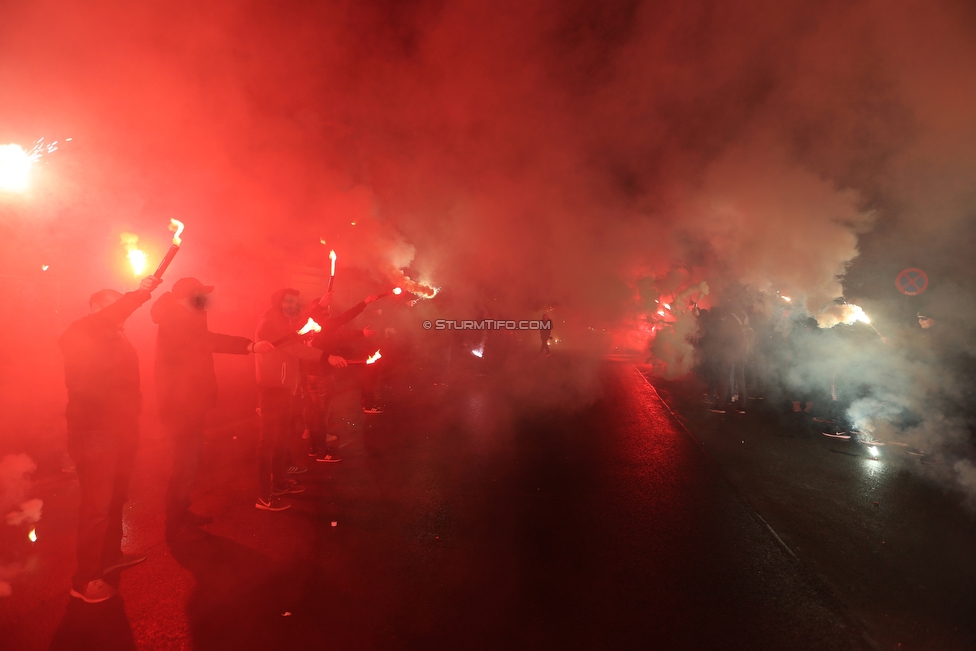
532, 507
888, 535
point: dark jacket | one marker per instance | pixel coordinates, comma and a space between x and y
101, 368
333, 336
279, 369
185, 377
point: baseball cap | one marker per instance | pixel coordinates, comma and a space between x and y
186, 287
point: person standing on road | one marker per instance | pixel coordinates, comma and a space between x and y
186, 388
545, 334
278, 377
101, 372
321, 374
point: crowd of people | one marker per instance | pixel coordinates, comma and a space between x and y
296, 382
836, 377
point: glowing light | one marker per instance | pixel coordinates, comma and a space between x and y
666, 305
372, 358
322, 240
660, 312
332, 257
45, 267
136, 257
787, 299
32, 536
15, 167
176, 226
16, 164
479, 352
874, 451
310, 326
397, 291
138, 261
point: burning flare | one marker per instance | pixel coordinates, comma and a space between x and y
332, 257
372, 358
16, 164
846, 313
137, 258
32, 536
397, 291
176, 226
312, 326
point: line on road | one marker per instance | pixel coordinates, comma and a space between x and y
701, 445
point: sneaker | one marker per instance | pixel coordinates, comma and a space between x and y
872, 441
288, 489
95, 592
329, 438
740, 411
196, 519
124, 561
716, 410
372, 410
271, 504
915, 452
328, 458
297, 470
818, 419
838, 435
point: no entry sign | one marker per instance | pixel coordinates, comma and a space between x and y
912, 282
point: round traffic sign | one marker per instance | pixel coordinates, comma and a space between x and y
912, 281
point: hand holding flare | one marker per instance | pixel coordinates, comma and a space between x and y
310, 326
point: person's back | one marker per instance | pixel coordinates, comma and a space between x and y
101, 368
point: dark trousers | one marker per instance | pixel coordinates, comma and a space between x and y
278, 414
105, 460
321, 390
730, 367
185, 431
367, 394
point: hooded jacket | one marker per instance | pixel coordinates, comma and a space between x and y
279, 369
185, 377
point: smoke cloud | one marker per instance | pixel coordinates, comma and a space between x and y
588, 157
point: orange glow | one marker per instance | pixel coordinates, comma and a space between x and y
310, 326
32, 536
138, 261
372, 358
176, 226
136, 257
332, 257
397, 291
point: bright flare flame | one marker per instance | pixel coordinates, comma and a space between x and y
479, 351
15, 167
332, 257
138, 261
397, 291
176, 226
310, 326
32, 536
136, 257
45, 267
372, 358
787, 299
874, 451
